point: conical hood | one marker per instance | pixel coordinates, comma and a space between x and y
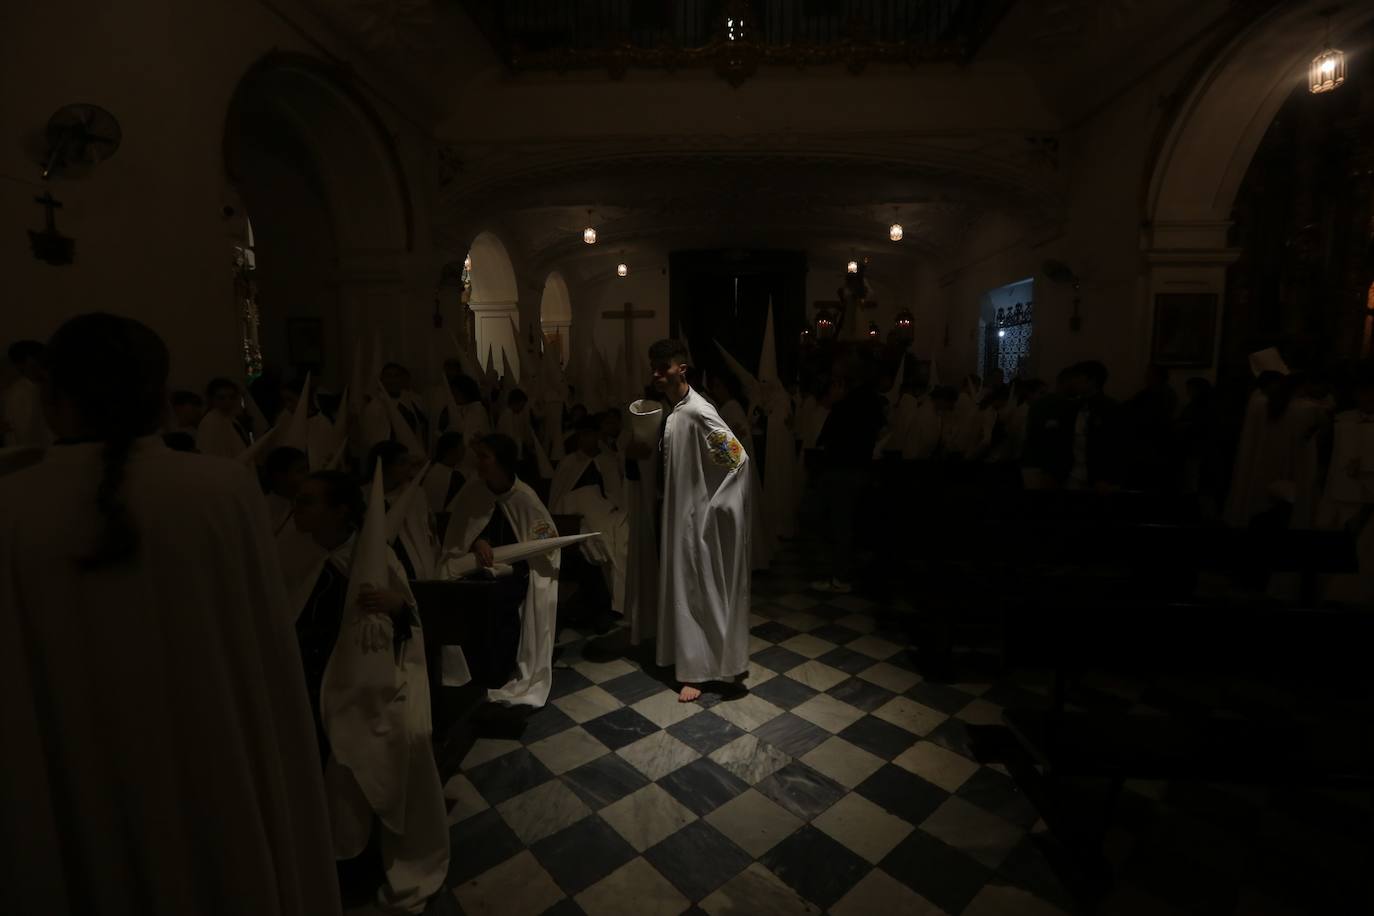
751, 384
260, 447
400, 507
254, 412
297, 434
516, 375
768, 357
400, 428
369, 565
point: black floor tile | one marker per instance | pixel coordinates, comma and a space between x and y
698, 859
565, 907
953, 735
774, 632
847, 660
566, 681
904, 794
783, 692
509, 775
882, 739
776, 658
619, 728
861, 694
835, 633
941, 874
802, 790
940, 696
816, 866
704, 734
633, 687
992, 791
544, 723
791, 734
703, 785
605, 780
485, 842
582, 854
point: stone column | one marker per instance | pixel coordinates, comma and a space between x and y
1187, 258
494, 332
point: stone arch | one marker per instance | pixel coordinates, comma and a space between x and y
319, 174
494, 300
555, 313
1205, 149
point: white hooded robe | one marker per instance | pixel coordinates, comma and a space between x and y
159, 753
704, 555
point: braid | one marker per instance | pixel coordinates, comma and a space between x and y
113, 371
119, 540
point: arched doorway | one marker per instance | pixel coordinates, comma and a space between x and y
494, 300
555, 317
1208, 146
318, 175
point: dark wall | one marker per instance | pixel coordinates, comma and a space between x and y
723, 295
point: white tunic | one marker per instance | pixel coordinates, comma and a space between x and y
159, 752
703, 607
471, 511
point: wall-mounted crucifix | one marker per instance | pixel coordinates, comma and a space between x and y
628, 314
50, 245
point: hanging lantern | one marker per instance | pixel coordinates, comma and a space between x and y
894, 232
589, 235
852, 267
873, 330
1327, 71
622, 270
903, 320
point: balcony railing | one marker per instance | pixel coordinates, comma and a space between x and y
734, 36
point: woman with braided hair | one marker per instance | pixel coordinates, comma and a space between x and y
159, 752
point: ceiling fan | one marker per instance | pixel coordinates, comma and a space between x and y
79, 136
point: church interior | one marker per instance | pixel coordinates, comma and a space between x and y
1026, 546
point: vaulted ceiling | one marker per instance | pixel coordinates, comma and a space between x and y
816, 157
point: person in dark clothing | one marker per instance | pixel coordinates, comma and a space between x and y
846, 444
1147, 424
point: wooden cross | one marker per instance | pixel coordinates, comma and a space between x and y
628, 315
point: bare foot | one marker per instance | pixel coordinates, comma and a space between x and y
688, 694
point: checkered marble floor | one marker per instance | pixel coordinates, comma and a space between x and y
839, 783
842, 782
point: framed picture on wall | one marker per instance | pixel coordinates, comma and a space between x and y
305, 342
1185, 330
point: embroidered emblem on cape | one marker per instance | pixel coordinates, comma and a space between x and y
542, 531
724, 448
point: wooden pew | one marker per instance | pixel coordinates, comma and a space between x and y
482, 616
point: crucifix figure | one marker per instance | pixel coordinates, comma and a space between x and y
628, 314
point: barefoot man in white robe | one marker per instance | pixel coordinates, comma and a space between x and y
703, 608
